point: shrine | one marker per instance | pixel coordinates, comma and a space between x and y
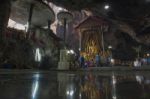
91, 32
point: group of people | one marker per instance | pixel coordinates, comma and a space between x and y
100, 61
139, 62
95, 62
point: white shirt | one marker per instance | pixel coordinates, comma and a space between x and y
137, 63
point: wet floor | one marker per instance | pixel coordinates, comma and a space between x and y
75, 85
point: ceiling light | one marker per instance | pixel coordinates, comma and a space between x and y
106, 7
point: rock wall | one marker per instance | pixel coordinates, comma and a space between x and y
5, 8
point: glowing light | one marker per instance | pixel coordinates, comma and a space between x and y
70, 52
37, 76
110, 47
139, 78
79, 49
114, 79
67, 92
70, 93
148, 54
114, 97
35, 86
112, 60
16, 25
106, 7
38, 55
80, 95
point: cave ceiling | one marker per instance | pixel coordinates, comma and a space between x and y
133, 16
20, 12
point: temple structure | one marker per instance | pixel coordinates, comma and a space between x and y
91, 32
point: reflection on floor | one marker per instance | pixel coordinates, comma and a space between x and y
73, 85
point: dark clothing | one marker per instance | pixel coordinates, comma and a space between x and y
82, 61
97, 60
8, 66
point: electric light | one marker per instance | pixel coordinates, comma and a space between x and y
112, 60
109, 46
106, 7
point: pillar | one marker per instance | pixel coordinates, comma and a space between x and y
5, 9
65, 32
80, 40
49, 24
29, 19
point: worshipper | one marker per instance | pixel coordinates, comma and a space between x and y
143, 61
137, 63
91, 63
82, 61
97, 60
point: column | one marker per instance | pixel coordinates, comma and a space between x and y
5, 8
80, 40
29, 20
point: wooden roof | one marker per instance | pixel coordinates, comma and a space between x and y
92, 21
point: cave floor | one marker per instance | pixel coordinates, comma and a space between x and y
81, 84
